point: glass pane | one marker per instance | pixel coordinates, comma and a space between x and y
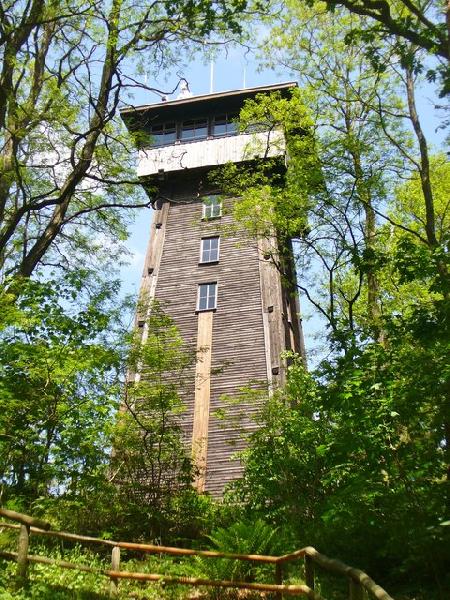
211, 207
232, 127
205, 250
210, 250
203, 297
224, 125
207, 208
201, 130
170, 137
194, 129
187, 133
163, 133
212, 295
220, 128
207, 296
157, 139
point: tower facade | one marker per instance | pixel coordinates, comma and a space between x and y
224, 293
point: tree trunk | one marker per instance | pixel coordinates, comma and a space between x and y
100, 116
424, 173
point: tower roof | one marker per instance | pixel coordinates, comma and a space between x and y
137, 117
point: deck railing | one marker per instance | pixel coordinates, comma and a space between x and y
360, 584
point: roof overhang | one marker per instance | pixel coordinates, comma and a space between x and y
139, 117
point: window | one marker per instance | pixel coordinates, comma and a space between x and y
209, 250
261, 127
212, 207
207, 296
164, 133
194, 130
224, 125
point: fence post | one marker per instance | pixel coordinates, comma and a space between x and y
309, 571
22, 556
356, 590
115, 566
279, 578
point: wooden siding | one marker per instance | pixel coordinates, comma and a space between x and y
272, 306
150, 275
209, 152
238, 349
243, 337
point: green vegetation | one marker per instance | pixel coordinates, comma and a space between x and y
351, 456
51, 582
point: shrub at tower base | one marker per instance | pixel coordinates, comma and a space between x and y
150, 466
352, 458
64, 349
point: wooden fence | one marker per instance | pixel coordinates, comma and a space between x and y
361, 586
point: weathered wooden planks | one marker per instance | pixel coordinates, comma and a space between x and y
202, 397
238, 354
250, 326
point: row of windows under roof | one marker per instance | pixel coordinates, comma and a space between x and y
194, 129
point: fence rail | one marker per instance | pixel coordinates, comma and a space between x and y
360, 584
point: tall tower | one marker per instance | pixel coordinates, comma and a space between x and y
225, 295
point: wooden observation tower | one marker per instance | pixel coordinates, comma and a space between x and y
224, 294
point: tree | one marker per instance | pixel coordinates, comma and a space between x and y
361, 132
150, 466
354, 456
66, 68
423, 25
409, 277
59, 387
78, 445
351, 458
337, 176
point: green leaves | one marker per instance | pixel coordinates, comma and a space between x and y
58, 386
153, 473
252, 536
67, 168
269, 198
353, 457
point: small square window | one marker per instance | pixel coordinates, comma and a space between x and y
212, 207
194, 130
209, 250
207, 296
224, 125
162, 134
